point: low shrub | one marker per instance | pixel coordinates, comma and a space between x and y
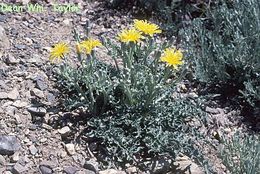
241, 154
225, 48
132, 115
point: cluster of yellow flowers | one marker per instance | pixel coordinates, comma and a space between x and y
60, 49
141, 28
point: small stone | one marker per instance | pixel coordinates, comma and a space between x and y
64, 131
28, 40
45, 170
37, 92
85, 171
33, 150
70, 169
184, 162
43, 140
2, 161
11, 110
70, 148
4, 41
111, 171
50, 97
8, 145
19, 169
20, 46
40, 111
3, 95
14, 94
41, 84
15, 157
20, 104
91, 165
46, 126
66, 22
11, 60
193, 95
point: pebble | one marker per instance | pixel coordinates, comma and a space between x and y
11, 60
64, 131
111, 171
37, 92
70, 169
15, 157
40, 111
19, 169
14, 94
41, 84
70, 148
33, 150
45, 170
2, 161
91, 165
20, 104
3, 95
20, 46
4, 41
9, 145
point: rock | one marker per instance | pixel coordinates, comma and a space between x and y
20, 104
36, 59
64, 131
11, 60
3, 95
37, 92
11, 110
41, 83
15, 157
111, 171
50, 97
192, 95
3, 84
131, 170
185, 162
40, 111
70, 169
91, 165
8, 145
14, 94
20, 46
70, 148
45, 170
19, 169
85, 171
4, 41
25, 2
67, 22
33, 150
2, 161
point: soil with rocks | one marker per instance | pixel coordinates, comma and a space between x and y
30, 141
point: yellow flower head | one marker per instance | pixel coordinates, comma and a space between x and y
89, 45
172, 57
146, 27
58, 51
131, 35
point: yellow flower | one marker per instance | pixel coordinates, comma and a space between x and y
172, 57
58, 51
90, 44
146, 27
131, 35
